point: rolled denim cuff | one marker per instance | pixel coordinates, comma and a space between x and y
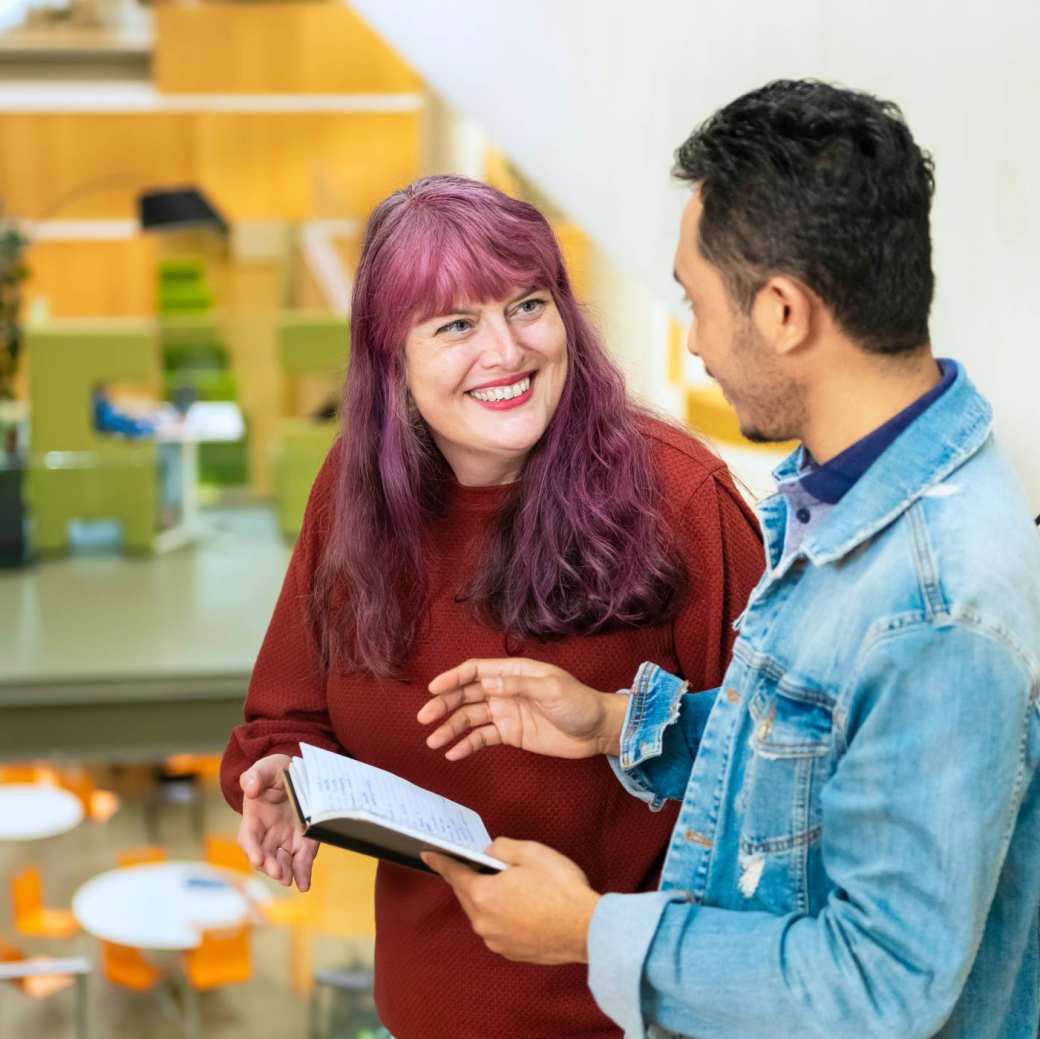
653, 705
620, 935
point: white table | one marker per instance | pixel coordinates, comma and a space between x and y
164, 905
31, 811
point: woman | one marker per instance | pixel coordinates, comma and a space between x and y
493, 492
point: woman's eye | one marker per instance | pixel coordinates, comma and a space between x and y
530, 306
456, 327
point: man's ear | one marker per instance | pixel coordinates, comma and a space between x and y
784, 313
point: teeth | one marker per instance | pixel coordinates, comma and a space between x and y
503, 392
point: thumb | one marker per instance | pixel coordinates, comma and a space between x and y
262, 775
511, 852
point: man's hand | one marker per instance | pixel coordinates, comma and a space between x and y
268, 833
537, 911
521, 703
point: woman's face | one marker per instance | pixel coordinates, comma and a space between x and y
487, 379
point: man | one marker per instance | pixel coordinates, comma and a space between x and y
858, 848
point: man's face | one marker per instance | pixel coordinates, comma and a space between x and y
735, 353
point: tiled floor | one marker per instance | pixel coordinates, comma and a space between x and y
264, 1007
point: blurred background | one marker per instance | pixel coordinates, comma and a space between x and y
183, 189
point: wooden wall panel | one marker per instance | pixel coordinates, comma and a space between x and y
273, 48
256, 165
303, 164
93, 278
69, 165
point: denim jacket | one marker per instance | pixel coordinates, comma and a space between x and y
858, 849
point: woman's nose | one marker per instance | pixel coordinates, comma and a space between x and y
502, 348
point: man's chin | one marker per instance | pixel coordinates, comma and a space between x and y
756, 436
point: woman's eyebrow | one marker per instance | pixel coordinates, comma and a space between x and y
526, 292
452, 313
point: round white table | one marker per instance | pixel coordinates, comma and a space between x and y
31, 811
164, 905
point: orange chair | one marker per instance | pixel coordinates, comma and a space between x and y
222, 958
205, 766
22, 773
126, 967
224, 851
340, 903
139, 856
31, 917
98, 805
40, 986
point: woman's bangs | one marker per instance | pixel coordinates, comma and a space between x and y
472, 269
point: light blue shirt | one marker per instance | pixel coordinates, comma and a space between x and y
814, 489
858, 849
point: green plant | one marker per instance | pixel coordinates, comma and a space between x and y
13, 272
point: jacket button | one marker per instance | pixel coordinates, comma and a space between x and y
732, 695
694, 837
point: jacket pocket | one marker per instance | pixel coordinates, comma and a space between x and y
790, 757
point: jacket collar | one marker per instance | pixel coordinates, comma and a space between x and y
935, 444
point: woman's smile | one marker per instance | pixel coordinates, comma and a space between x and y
502, 395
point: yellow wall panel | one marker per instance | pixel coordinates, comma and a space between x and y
273, 48
93, 278
302, 164
90, 165
574, 245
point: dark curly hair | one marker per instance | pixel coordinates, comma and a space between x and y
826, 185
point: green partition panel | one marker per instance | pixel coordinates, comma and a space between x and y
76, 472
313, 341
309, 342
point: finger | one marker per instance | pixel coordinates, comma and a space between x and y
478, 739
535, 687
454, 872
285, 867
468, 717
302, 863
249, 839
445, 703
472, 670
271, 866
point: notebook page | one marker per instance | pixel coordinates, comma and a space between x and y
338, 783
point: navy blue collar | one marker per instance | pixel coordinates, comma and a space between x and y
830, 482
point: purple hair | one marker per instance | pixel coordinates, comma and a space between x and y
580, 545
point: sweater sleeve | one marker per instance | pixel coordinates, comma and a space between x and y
725, 558
286, 699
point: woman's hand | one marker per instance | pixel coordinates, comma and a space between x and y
268, 833
521, 703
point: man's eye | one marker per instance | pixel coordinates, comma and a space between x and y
456, 327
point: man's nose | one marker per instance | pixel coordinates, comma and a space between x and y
691, 340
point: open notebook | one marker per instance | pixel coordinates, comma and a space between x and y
344, 802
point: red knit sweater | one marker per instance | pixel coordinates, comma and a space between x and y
434, 977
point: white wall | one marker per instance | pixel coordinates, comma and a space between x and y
591, 99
